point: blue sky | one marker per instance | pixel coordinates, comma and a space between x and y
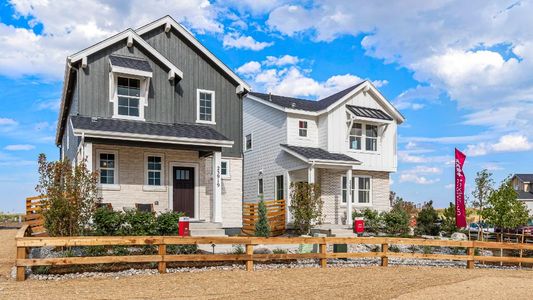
462, 74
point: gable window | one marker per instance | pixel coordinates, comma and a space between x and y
302, 128
154, 169
356, 136
279, 188
206, 106
371, 137
107, 168
224, 168
260, 186
129, 96
364, 190
345, 189
248, 142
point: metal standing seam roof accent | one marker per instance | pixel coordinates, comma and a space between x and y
312, 153
130, 62
367, 112
176, 130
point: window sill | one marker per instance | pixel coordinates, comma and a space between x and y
206, 122
225, 177
364, 151
109, 187
357, 204
154, 188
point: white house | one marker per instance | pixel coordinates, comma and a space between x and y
350, 134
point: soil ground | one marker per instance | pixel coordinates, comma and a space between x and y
312, 283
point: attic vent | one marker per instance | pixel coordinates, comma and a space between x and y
293, 105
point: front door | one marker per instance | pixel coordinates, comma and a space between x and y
183, 190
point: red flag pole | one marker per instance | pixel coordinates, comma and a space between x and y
460, 210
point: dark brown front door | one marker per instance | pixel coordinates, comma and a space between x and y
183, 190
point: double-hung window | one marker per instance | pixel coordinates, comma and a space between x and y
107, 168
129, 96
154, 169
224, 168
206, 106
364, 190
345, 189
302, 128
248, 142
279, 188
363, 187
260, 187
356, 136
371, 137
363, 134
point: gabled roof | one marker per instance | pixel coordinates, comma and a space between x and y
525, 177
367, 112
311, 154
168, 22
525, 195
177, 133
312, 107
129, 62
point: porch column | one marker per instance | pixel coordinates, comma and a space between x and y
87, 153
288, 198
349, 220
311, 174
217, 188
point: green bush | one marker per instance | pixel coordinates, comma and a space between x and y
426, 222
262, 228
306, 206
95, 251
139, 223
108, 222
167, 223
396, 221
237, 249
182, 249
279, 251
373, 220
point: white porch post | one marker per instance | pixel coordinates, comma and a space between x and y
217, 188
288, 198
349, 220
87, 153
311, 174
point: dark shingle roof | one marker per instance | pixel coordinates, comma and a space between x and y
525, 195
130, 62
525, 177
369, 112
302, 104
318, 153
179, 130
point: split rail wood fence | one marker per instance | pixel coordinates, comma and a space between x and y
24, 242
34, 217
276, 212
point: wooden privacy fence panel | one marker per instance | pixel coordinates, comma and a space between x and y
34, 217
276, 212
24, 241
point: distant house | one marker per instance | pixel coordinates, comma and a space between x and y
523, 185
160, 118
345, 142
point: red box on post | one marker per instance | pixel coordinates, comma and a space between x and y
183, 226
359, 225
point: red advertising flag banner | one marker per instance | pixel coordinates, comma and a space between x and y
460, 211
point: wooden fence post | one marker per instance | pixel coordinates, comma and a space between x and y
384, 257
21, 271
323, 259
250, 261
162, 266
470, 262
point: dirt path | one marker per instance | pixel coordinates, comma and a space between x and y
311, 283
7, 252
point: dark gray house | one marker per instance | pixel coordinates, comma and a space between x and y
523, 185
160, 118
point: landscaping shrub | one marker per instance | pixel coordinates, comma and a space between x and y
134, 222
426, 222
279, 251
373, 220
167, 223
108, 222
71, 196
182, 249
448, 219
95, 251
237, 249
262, 228
396, 221
503, 209
306, 206
139, 223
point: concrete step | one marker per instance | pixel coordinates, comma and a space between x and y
208, 232
204, 225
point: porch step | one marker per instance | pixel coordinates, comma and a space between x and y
204, 225
334, 230
206, 229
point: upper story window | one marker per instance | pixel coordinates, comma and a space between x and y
366, 134
302, 128
129, 96
248, 142
206, 106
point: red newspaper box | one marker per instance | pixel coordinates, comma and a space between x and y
359, 225
183, 226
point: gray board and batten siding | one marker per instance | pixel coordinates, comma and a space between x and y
168, 101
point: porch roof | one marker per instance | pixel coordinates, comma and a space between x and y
176, 133
525, 195
319, 155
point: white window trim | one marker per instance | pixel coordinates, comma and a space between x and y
143, 99
213, 103
116, 185
276, 187
355, 198
154, 188
363, 139
263, 184
251, 137
306, 129
228, 169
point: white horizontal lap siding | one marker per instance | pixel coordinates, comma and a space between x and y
382, 160
293, 137
323, 131
268, 127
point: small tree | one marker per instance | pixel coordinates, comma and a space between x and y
503, 208
71, 195
483, 188
396, 221
448, 219
373, 220
261, 227
426, 222
306, 206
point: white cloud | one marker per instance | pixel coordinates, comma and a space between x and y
7, 122
506, 143
413, 158
52, 105
235, 40
20, 147
416, 175
416, 98
26, 53
281, 60
249, 68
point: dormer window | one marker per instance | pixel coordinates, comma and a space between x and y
302, 128
371, 137
363, 134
